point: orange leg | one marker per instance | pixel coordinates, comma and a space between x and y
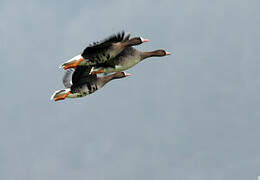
98, 72
62, 97
73, 65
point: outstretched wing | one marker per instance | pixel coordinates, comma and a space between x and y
99, 51
81, 75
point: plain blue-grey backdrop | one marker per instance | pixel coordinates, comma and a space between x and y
192, 115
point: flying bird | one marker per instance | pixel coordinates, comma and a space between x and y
126, 59
104, 51
114, 54
78, 83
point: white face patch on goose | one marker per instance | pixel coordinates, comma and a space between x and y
144, 40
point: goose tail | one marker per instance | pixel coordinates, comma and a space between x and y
72, 63
60, 94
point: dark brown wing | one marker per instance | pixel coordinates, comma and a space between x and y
99, 52
81, 76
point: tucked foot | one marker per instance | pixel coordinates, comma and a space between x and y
98, 72
72, 64
62, 97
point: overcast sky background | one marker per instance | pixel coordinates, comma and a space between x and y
192, 115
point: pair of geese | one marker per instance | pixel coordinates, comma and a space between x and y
113, 55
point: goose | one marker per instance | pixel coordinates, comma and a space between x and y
126, 59
78, 83
101, 52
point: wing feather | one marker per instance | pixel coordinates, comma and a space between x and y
67, 78
82, 76
98, 49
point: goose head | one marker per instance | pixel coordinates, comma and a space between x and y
136, 41
160, 53
121, 75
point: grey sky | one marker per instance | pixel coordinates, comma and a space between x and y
193, 115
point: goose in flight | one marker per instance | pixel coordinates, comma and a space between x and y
101, 52
126, 59
78, 83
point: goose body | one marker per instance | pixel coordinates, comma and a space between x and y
127, 59
102, 52
79, 83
